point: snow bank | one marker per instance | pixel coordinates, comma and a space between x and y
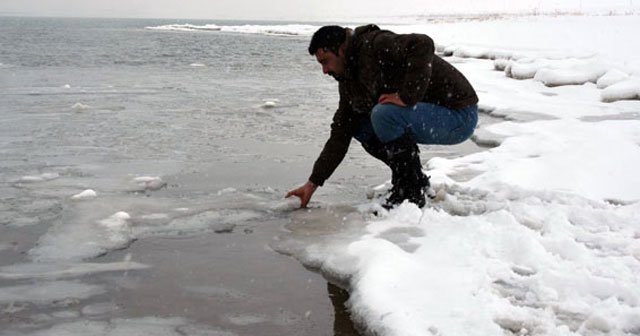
624, 90
562, 50
560, 155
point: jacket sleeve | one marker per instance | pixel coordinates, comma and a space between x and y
335, 149
412, 53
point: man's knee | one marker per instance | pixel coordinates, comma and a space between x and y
385, 116
469, 125
387, 121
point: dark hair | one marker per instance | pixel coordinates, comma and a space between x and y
329, 38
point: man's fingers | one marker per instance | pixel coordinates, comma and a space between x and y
295, 192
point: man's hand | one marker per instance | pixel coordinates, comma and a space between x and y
391, 98
304, 193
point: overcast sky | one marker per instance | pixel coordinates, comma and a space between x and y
284, 9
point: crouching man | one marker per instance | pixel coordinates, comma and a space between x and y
394, 93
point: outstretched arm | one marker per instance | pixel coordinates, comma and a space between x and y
304, 193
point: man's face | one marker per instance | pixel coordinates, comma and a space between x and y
332, 64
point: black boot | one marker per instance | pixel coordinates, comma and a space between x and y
379, 151
410, 182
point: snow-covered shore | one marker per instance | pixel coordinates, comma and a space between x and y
537, 236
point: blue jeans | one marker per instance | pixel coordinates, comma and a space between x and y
429, 124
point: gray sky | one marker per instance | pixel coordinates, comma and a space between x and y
280, 9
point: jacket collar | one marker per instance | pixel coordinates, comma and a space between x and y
350, 57
352, 43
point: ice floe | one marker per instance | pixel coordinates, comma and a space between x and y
84, 195
39, 178
80, 107
149, 182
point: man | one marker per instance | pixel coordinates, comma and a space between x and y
394, 93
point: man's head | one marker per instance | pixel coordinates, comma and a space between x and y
328, 44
